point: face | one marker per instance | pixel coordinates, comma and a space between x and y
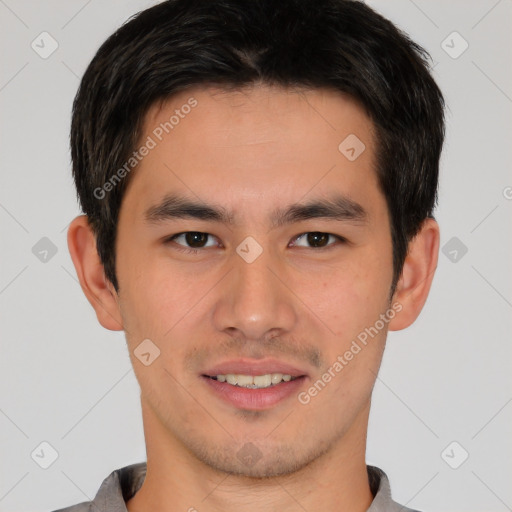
282, 265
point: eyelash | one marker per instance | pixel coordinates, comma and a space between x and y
189, 250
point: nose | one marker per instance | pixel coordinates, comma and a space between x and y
256, 302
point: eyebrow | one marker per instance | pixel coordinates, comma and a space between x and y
338, 207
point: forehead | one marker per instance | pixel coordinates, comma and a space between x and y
262, 105
260, 144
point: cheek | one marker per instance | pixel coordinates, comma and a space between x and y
145, 299
169, 305
350, 297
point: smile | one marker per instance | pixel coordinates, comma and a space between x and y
254, 381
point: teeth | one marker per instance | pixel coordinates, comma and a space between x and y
262, 381
243, 380
276, 378
256, 381
231, 379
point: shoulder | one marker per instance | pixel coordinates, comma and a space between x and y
115, 490
381, 490
86, 506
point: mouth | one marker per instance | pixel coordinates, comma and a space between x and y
254, 384
253, 397
254, 381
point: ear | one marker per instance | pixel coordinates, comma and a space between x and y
97, 288
417, 275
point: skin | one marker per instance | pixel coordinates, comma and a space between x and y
252, 151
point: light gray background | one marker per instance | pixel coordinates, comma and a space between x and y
67, 381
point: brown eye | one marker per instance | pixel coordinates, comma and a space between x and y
192, 240
196, 239
317, 240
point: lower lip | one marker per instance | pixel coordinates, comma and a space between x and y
254, 399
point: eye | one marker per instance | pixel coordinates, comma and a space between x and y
191, 241
317, 239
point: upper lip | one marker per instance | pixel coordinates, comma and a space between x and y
254, 367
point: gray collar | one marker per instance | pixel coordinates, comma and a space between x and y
123, 483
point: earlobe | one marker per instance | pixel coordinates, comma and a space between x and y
98, 290
417, 275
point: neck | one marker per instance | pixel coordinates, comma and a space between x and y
177, 481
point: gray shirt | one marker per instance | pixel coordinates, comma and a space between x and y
123, 483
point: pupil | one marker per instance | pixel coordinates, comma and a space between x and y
317, 239
195, 237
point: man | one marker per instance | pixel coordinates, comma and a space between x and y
258, 180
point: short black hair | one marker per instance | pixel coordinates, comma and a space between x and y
335, 44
